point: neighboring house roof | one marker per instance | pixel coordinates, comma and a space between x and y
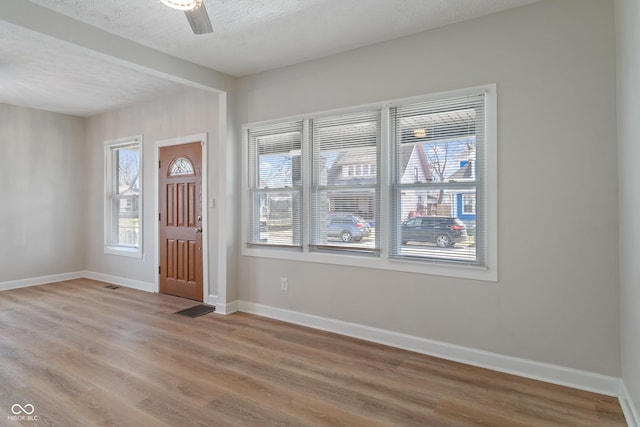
358, 155
354, 156
367, 155
414, 165
465, 173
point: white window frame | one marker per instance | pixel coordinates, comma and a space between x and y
486, 272
315, 241
110, 174
254, 190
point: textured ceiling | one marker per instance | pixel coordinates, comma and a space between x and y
250, 36
256, 35
64, 78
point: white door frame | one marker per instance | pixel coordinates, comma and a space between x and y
202, 138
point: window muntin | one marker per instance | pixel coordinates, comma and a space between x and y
275, 185
438, 147
123, 193
344, 206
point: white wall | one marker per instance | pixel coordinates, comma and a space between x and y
231, 201
189, 112
628, 32
42, 193
557, 300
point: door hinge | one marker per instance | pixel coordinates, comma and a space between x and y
159, 164
159, 270
159, 217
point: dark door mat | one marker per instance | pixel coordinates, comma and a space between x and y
196, 311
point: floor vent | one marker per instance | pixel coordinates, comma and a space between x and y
112, 287
196, 311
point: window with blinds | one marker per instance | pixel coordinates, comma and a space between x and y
344, 195
405, 185
437, 194
275, 184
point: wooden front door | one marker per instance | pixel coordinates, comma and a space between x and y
181, 220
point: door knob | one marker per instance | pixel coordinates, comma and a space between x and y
198, 229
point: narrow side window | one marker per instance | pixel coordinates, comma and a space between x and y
123, 197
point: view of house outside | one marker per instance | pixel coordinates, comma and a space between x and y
432, 182
448, 162
126, 210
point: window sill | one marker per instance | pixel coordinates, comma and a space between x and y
123, 251
429, 267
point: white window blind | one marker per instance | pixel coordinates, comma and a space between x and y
275, 183
345, 185
437, 195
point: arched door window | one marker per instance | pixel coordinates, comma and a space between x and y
181, 166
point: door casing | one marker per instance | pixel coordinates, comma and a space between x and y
202, 138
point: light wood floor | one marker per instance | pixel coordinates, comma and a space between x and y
84, 355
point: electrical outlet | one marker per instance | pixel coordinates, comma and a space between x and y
284, 283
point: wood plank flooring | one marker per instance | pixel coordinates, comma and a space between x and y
84, 355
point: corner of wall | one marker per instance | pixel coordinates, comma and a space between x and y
629, 409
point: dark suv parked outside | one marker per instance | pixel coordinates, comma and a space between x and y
442, 230
347, 227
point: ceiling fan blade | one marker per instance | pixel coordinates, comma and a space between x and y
199, 20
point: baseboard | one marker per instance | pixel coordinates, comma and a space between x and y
212, 300
41, 280
228, 308
121, 281
631, 413
582, 380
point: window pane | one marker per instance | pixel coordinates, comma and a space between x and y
275, 178
126, 222
434, 225
277, 222
346, 154
437, 149
123, 195
128, 160
279, 160
346, 219
344, 200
